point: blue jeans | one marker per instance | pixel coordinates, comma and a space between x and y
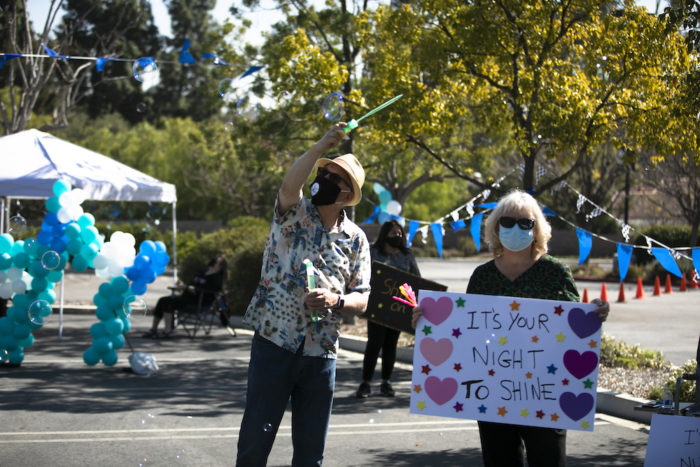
275, 375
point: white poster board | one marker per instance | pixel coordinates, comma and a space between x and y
506, 360
674, 441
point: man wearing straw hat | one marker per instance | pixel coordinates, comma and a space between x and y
296, 326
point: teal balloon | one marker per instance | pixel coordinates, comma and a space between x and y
120, 284
60, 187
104, 313
5, 326
127, 325
55, 275
102, 344
18, 315
22, 300
116, 302
15, 356
21, 331
72, 230
6, 242
100, 300
89, 251
79, 263
18, 247
91, 357
5, 261
86, 220
110, 358
21, 260
48, 295
98, 330
39, 284
37, 270
114, 326
384, 197
105, 289
118, 341
74, 245
36, 324
52, 204
8, 343
27, 341
88, 234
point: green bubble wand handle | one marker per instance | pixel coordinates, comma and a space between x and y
311, 284
352, 124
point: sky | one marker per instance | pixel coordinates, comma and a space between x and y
262, 20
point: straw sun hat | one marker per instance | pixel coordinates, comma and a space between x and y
353, 168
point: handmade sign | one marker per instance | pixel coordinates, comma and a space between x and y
507, 360
673, 440
385, 284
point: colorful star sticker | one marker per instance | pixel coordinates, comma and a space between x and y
554, 417
460, 302
515, 306
588, 384
456, 332
502, 340
528, 375
458, 407
458, 367
502, 411
417, 388
420, 405
558, 310
539, 414
482, 408
524, 413
425, 369
565, 382
560, 336
584, 425
427, 330
552, 369
535, 339
592, 344
491, 372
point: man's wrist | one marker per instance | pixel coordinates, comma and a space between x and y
340, 303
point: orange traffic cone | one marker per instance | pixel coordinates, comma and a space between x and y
621, 295
683, 284
585, 296
604, 293
640, 289
668, 288
657, 286
694, 283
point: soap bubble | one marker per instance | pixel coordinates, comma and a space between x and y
17, 225
228, 125
38, 310
333, 107
228, 91
267, 427
3, 356
135, 307
141, 107
50, 260
249, 106
144, 69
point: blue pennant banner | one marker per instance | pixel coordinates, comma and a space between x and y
696, 259
624, 255
412, 229
585, 242
458, 224
475, 230
663, 256
436, 227
185, 55
372, 216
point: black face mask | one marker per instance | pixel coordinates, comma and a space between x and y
323, 191
394, 242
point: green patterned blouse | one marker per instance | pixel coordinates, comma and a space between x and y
547, 279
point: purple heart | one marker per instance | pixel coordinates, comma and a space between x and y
578, 364
583, 324
576, 407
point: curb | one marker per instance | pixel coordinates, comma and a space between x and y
617, 404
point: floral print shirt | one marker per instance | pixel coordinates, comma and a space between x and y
342, 264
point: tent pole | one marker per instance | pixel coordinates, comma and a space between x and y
60, 312
174, 244
2, 214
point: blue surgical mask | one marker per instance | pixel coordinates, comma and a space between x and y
515, 238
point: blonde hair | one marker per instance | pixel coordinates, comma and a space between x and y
514, 201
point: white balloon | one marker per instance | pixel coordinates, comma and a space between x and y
6, 290
393, 207
19, 287
14, 273
100, 262
63, 216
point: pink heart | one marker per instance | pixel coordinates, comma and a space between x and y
440, 391
436, 352
436, 312
580, 365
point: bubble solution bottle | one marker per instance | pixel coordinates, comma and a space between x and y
666, 401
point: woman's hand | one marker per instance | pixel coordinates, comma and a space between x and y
602, 310
417, 313
321, 299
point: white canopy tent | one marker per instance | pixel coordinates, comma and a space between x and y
32, 161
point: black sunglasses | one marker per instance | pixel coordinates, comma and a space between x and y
332, 176
523, 223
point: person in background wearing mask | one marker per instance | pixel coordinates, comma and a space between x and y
517, 233
390, 248
296, 330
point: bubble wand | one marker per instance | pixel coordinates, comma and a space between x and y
311, 284
352, 124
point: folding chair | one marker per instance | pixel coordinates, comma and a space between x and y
211, 305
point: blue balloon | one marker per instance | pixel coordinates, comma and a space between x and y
45, 237
138, 288
147, 248
384, 197
91, 357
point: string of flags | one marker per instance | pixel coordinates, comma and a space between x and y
665, 255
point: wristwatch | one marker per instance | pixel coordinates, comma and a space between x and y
340, 304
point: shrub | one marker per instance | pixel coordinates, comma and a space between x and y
669, 235
614, 353
687, 393
242, 243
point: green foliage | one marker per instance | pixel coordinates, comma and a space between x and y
614, 353
242, 243
687, 391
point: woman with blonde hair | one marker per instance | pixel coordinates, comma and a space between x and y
517, 233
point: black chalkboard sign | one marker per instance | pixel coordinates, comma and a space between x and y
385, 282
